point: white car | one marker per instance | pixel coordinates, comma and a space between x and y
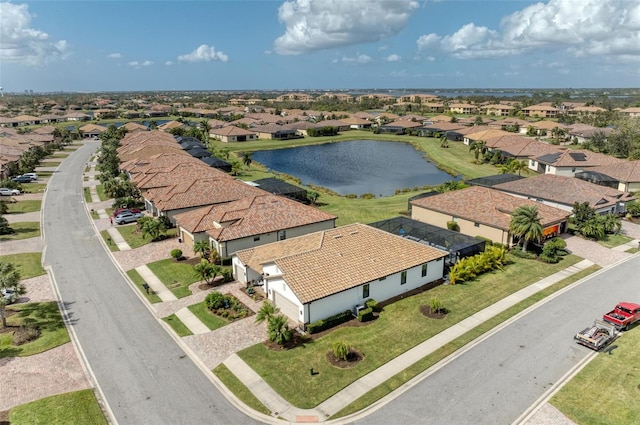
9, 192
9, 295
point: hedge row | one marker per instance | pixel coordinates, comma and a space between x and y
329, 322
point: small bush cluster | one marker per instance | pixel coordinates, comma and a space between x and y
226, 306
553, 250
436, 304
341, 350
518, 252
468, 268
367, 196
176, 253
25, 334
351, 196
329, 322
452, 225
372, 304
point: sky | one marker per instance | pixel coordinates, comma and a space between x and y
93, 45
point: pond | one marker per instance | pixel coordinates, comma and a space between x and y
356, 166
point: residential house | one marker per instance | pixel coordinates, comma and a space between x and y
134, 126
624, 176
92, 130
232, 133
541, 110
483, 135
568, 162
357, 123
585, 111
315, 276
274, 132
250, 222
463, 108
398, 127
631, 112
484, 212
497, 110
581, 133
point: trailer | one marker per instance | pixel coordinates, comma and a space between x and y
598, 336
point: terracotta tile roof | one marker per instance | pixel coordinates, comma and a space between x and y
231, 130
521, 147
170, 125
487, 134
324, 263
250, 216
200, 192
134, 126
547, 125
510, 121
445, 126
487, 206
181, 172
92, 128
158, 163
578, 158
626, 172
440, 118
402, 124
355, 121
564, 190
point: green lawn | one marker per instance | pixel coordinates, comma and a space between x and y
94, 214
87, 195
101, 194
423, 364
611, 241
400, 325
50, 163
135, 277
176, 276
23, 230
110, 243
24, 206
606, 391
46, 317
134, 238
632, 250
58, 155
239, 389
79, 407
210, 320
178, 327
27, 263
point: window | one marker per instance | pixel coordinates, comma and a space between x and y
476, 224
424, 270
382, 278
365, 291
282, 235
256, 238
403, 277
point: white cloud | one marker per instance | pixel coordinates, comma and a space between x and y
362, 59
20, 43
582, 28
203, 53
168, 63
114, 55
393, 58
138, 65
313, 25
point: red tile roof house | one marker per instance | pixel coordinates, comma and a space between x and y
357, 123
232, 134
162, 162
568, 162
251, 222
625, 176
562, 192
520, 148
485, 212
275, 132
315, 276
192, 193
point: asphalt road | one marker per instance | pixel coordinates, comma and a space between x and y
501, 377
145, 376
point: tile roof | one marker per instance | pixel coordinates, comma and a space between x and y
487, 206
324, 263
486, 134
181, 172
250, 216
627, 172
564, 190
520, 146
231, 130
578, 158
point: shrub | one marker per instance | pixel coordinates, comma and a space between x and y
365, 315
488, 242
549, 259
25, 334
521, 254
341, 350
436, 304
367, 196
329, 322
452, 225
176, 253
214, 300
227, 275
351, 196
372, 304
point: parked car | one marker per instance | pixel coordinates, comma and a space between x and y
119, 211
5, 191
32, 176
9, 295
127, 217
22, 179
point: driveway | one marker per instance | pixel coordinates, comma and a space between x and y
593, 251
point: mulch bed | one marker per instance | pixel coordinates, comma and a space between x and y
219, 280
353, 359
296, 341
426, 311
9, 329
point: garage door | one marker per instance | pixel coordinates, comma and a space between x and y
287, 307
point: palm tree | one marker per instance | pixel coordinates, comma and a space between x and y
525, 223
205, 127
202, 248
246, 158
444, 142
266, 312
9, 279
479, 148
206, 271
278, 329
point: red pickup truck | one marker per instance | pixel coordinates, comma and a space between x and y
623, 315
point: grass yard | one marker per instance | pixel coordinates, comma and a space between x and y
178, 327
113, 247
423, 364
50, 163
606, 391
87, 195
94, 214
27, 263
134, 238
176, 276
400, 325
632, 250
611, 241
24, 206
239, 389
59, 155
23, 230
46, 317
210, 320
101, 194
33, 187
79, 407
135, 277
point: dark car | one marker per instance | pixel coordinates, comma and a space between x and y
22, 179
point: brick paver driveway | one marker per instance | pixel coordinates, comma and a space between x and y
593, 251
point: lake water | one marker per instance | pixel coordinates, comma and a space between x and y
356, 166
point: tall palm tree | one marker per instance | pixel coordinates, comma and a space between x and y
202, 248
205, 127
479, 148
525, 223
246, 159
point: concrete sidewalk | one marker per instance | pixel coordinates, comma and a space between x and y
155, 284
343, 398
192, 322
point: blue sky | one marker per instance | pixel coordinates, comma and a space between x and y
318, 44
